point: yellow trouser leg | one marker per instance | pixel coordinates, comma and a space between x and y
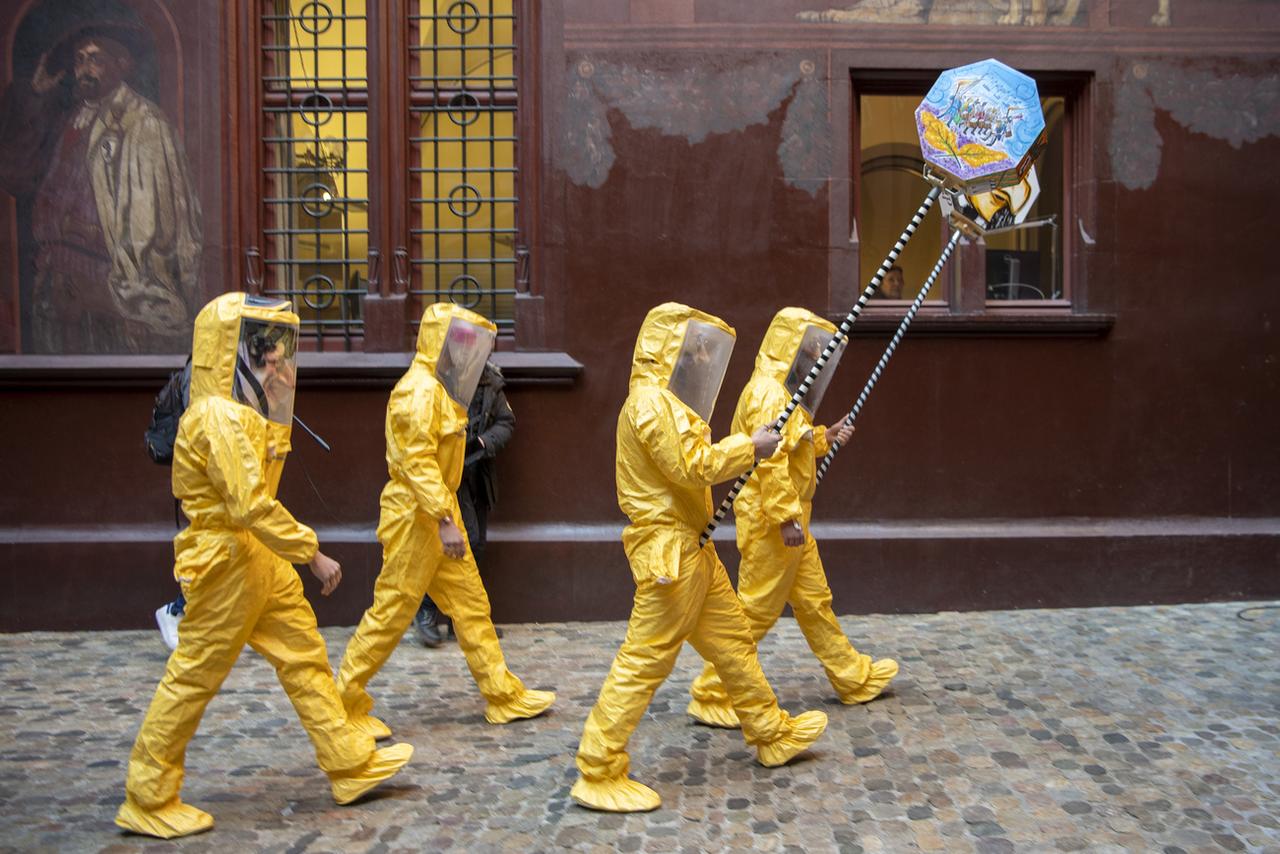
724, 638
410, 555
286, 635
810, 598
223, 603
765, 575
699, 606
457, 590
772, 575
662, 616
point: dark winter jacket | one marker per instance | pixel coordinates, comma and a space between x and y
489, 417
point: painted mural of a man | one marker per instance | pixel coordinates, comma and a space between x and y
114, 216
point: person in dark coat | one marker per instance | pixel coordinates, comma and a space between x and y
490, 423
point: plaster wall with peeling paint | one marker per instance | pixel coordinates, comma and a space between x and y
702, 151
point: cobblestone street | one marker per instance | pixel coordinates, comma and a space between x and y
1104, 729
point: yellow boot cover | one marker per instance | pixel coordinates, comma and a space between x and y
666, 463
530, 704
882, 672
771, 574
805, 729
625, 795
714, 714
385, 763
426, 432
168, 822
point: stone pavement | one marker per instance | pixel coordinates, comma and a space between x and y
1102, 729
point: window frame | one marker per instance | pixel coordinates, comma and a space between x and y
424, 98
279, 98
963, 307
388, 307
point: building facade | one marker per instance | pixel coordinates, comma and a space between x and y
1084, 412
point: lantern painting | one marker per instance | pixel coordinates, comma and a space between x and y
981, 127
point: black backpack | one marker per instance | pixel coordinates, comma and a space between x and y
171, 402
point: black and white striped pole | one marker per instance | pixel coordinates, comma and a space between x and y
841, 335
893, 345
981, 127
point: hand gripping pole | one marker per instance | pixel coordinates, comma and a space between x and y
893, 344
827, 352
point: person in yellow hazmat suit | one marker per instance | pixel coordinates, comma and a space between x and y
233, 563
666, 463
424, 544
780, 563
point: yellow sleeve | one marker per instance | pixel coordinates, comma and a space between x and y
681, 449
277, 439
236, 471
820, 444
415, 420
779, 497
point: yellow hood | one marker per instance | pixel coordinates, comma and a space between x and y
782, 341
659, 341
435, 325
217, 336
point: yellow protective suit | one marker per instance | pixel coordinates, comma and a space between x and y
772, 574
426, 432
233, 563
666, 464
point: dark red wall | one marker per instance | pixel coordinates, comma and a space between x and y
994, 466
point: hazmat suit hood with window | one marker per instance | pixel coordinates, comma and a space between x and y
685, 351
454, 343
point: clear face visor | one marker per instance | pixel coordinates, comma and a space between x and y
700, 367
812, 344
266, 368
466, 349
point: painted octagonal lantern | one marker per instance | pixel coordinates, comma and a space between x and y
981, 126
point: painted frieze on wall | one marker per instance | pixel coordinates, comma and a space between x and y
1035, 13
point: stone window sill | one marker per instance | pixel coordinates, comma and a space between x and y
1002, 322
327, 369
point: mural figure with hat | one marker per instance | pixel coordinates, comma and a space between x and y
113, 225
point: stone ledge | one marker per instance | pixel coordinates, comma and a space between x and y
329, 369
825, 532
1002, 323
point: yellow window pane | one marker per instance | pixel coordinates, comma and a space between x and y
317, 216
464, 209
464, 44
318, 44
890, 189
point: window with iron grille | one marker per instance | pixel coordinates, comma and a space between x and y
326, 66
316, 163
462, 138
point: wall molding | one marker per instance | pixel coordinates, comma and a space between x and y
609, 532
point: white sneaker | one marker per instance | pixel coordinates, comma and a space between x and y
168, 624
